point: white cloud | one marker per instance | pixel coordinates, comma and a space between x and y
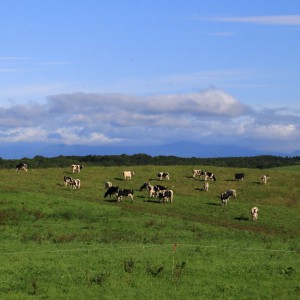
265, 20
100, 119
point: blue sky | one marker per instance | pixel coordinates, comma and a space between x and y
151, 72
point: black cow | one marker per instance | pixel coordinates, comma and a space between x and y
22, 166
113, 190
239, 176
124, 193
165, 175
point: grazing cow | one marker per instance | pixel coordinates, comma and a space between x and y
254, 213
68, 180
107, 184
76, 168
224, 198
197, 173
166, 196
209, 175
113, 190
124, 193
75, 184
265, 178
206, 186
231, 193
22, 167
239, 176
128, 174
165, 175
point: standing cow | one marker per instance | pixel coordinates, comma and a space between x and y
254, 213
163, 175
22, 167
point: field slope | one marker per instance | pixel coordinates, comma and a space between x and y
59, 243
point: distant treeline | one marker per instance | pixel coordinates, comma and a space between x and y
261, 161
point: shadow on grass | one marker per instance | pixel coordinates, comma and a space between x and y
242, 218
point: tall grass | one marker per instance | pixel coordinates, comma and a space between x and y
62, 243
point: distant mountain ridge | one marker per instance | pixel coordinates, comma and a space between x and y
179, 149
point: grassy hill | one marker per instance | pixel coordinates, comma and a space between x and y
59, 243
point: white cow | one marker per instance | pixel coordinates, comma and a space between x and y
254, 213
206, 186
76, 168
128, 174
265, 178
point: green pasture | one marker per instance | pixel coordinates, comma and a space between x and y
60, 243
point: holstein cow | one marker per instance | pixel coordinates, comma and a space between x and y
76, 168
224, 198
75, 184
239, 176
265, 178
231, 193
124, 193
128, 174
197, 173
68, 180
209, 175
254, 213
22, 167
166, 196
113, 190
163, 175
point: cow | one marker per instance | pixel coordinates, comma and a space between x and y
254, 213
231, 193
124, 193
76, 168
197, 173
107, 184
68, 180
22, 167
209, 175
239, 176
113, 190
163, 175
206, 186
224, 198
265, 178
166, 196
75, 184
128, 174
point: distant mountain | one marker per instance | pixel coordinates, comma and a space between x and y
179, 149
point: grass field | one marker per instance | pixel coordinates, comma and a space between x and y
59, 243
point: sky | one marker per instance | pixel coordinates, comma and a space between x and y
107, 72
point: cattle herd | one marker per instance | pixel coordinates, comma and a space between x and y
160, 192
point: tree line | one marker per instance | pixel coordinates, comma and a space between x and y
260, 161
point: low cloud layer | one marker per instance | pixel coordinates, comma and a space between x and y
212, 116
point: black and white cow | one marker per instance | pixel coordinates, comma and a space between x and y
76, 168
224, 198
209, 175
22, 167
231, 193
197, 173
254, 213
166, 196
163, 175
68, 180
239, 176
113, 190
75, 184
124, 193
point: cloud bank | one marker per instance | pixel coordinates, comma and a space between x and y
210, 117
